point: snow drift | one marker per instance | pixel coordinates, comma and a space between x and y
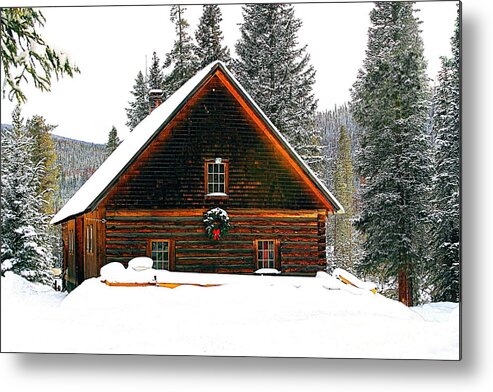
243, 316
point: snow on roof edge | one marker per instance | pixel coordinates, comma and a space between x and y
98, 183
338, 207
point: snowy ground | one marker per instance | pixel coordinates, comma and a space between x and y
244, 316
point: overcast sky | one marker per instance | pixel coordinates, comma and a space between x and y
110, 45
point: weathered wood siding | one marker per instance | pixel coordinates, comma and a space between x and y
170, 172
301, 236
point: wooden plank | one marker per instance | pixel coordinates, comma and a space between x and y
198, 235
214, 251
183, 214
209, 259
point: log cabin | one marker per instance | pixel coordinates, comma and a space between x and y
206, 154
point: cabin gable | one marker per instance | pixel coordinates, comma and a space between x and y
171, 172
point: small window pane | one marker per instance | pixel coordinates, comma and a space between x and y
266, 254
160, 254
216, 178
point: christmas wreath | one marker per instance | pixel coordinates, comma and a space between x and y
216, 223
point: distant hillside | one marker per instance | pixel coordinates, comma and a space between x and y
77, 161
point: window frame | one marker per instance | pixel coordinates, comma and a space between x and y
277, 256
90, 238
224, 162
71, 241
171, 251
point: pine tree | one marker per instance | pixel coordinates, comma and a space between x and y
25, 246
446, 185
44, 153
390, 100
329, 123
181, 59
155, 79
277, 74
209, 37
25, 54
344, 191
139, 107
113, 141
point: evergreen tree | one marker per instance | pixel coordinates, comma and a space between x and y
25, 246
181, 59
113, 141
344, 191
277, 74
155, 80
390, 100
209, 37
44, 153
329, 123
139, 107
446, 185
26, 55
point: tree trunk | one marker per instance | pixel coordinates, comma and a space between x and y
405, 288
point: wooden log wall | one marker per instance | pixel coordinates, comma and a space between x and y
299, 234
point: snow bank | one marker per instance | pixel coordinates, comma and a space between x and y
16, 287
438, 311
246, 315
140, 263
267, 271
351, 279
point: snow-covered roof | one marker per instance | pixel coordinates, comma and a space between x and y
89, 195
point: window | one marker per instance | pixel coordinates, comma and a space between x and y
266, 254
90, 238
216, 177
160, 251
71, 242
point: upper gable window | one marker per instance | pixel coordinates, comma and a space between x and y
216, 177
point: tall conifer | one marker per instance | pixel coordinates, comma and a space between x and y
155, 78
446, 185
181, 60
113, 141
344, 191
390, 100
44, 153
277, 73
209, 37
26, 247
139, 107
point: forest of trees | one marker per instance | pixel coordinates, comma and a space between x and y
391, 155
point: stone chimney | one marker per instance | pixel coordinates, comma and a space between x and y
155, 98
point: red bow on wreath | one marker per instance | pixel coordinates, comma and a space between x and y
216, 233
